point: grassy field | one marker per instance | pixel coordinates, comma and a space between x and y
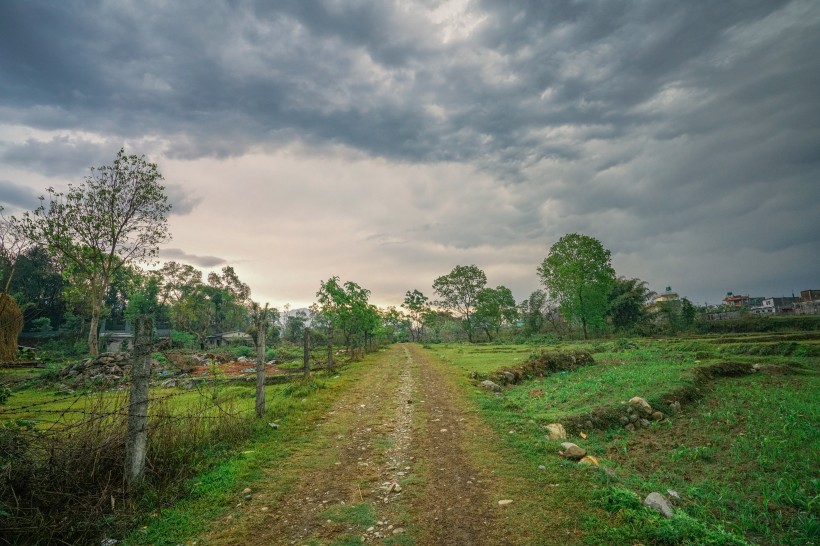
743, 456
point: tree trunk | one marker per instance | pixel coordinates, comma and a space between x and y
137, 439
306, 353
260, 372
93, 335
330, 349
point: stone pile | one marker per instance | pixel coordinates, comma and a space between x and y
639, 414
106, 367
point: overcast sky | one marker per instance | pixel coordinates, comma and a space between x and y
388, 141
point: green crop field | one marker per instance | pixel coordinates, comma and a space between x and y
742, 453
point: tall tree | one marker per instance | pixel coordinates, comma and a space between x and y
578, 273
418, 307
459, 290
494, 307
115, 218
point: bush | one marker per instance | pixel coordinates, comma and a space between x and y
243, 350
270, 353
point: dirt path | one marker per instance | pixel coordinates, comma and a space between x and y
388, 465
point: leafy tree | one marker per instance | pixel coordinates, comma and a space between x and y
229, 281
532, 312
346, 309
115, 218
458, 291
628, 299
418, 307
494, 307
295, 325
13, 243
397, 326
37, 287
176, 281
578, 273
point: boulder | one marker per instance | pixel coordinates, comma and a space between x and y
489, 385
557, 431
659, 503
642, 404
657, 416
572, 451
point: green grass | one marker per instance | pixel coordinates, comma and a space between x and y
363, 515
743, 457
212, 494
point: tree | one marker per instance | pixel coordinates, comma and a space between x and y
628, 299
578, 273
13, 243
346, 308
459, 290
418, 306
494, 307
115, 218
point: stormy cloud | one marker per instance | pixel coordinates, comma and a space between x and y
415, 135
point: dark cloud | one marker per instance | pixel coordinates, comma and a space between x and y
61, 156
183, 199
650, 125
202, 261
17, 196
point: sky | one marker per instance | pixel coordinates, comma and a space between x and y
387, 141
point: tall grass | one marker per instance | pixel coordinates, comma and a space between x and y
65, 484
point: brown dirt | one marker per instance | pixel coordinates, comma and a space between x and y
403, 423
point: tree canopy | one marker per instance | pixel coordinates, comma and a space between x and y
459, 290
115, 218
578, 273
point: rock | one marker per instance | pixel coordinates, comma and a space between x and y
557, 431
504, 502
510, 377
657, 416
639, 402
674, 406
624, 419
542, 467
246, 490
398, 530
644, 422
247, 497
659, 503
589, 460
572, 451
168, 383
489, 385
630, 427
633, 418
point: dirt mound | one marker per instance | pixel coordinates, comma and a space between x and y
539, 365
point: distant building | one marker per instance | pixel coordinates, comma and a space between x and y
771, 306
736, 301
227, 338
810, 295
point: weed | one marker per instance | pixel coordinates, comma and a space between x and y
362, 515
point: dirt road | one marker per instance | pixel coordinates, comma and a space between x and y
390, 464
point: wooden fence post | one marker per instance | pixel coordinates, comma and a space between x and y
260, 372
137, 440
306, 361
